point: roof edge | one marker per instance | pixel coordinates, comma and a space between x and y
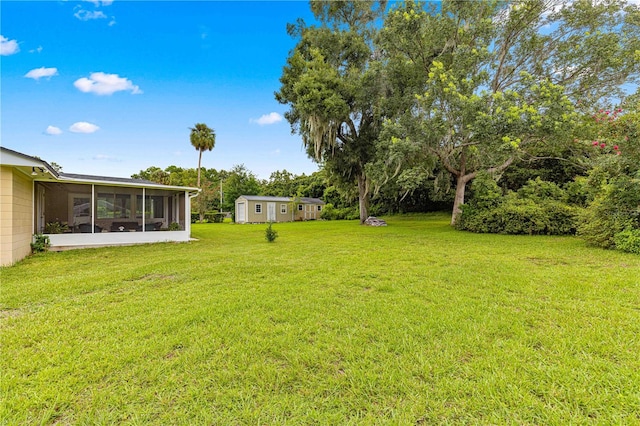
46, 165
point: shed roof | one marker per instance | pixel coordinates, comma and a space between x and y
302, 200
311, 200
265, 198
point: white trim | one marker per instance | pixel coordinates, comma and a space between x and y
65, 179
93, 208
115, 238
187, 210
272, 215
33, 207
8, 158
241, 218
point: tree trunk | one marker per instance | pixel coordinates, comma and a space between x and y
461, 184
363, 198
199, 162
198, 184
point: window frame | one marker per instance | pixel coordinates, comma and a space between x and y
116, 205
258, 208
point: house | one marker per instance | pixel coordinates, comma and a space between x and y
77, 211
261, 209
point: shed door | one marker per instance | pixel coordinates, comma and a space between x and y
241, 213
271, 212
309, 211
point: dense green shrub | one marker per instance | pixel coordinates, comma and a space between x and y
329, 212
516, 216
615, 208
536, 209
540, 191
576, 192
536, 218
214, 217
628, 241
486, 193
40, 243
476, 219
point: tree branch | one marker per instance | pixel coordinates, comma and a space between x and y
445, 162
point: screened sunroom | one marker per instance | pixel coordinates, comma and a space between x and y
76, 210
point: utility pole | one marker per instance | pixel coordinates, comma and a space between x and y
220, 195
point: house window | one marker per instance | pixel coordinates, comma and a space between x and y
319, 208
114, 206
299, 207
153, 206
283, 208
258, 208
81, 208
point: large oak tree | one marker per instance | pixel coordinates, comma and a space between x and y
478, 84
332, 85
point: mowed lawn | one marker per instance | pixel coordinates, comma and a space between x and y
333, 324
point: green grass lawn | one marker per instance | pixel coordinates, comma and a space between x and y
334, 323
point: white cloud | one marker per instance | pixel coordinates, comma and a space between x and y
97, 3
105, 84
204, 32
36, 50
8, 47
38, 73
266, 119
104, 157
83, 127
86, 15
53, 130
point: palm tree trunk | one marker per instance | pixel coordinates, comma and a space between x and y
199, 162
198, 184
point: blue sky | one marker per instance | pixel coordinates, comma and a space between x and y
112, 87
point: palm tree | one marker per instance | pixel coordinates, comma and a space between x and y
202, 138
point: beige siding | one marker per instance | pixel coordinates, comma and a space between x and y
292, 213
16, 215
6, 215
252, 216
308, 212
